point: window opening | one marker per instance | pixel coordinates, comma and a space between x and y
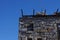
58, 30
39, 38
29, 38
30, 27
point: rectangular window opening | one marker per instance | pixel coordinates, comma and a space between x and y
30, 27
39, 38
29, 38
58, 30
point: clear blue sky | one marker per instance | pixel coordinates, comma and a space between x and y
10, 13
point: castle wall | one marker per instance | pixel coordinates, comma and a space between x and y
44, 28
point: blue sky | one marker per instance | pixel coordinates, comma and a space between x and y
10, 13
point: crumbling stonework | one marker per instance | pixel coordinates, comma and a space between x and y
39, 27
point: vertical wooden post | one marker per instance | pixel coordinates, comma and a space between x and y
33, 12
22, 12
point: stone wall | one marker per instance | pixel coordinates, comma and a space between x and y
44, 27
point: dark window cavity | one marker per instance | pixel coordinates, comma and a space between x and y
30, 27
58, 30
39, 38
29, 38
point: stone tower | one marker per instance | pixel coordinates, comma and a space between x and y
39, 27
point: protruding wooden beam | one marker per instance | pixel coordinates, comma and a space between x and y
57, 10
22, 12
45, 11
33, 11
